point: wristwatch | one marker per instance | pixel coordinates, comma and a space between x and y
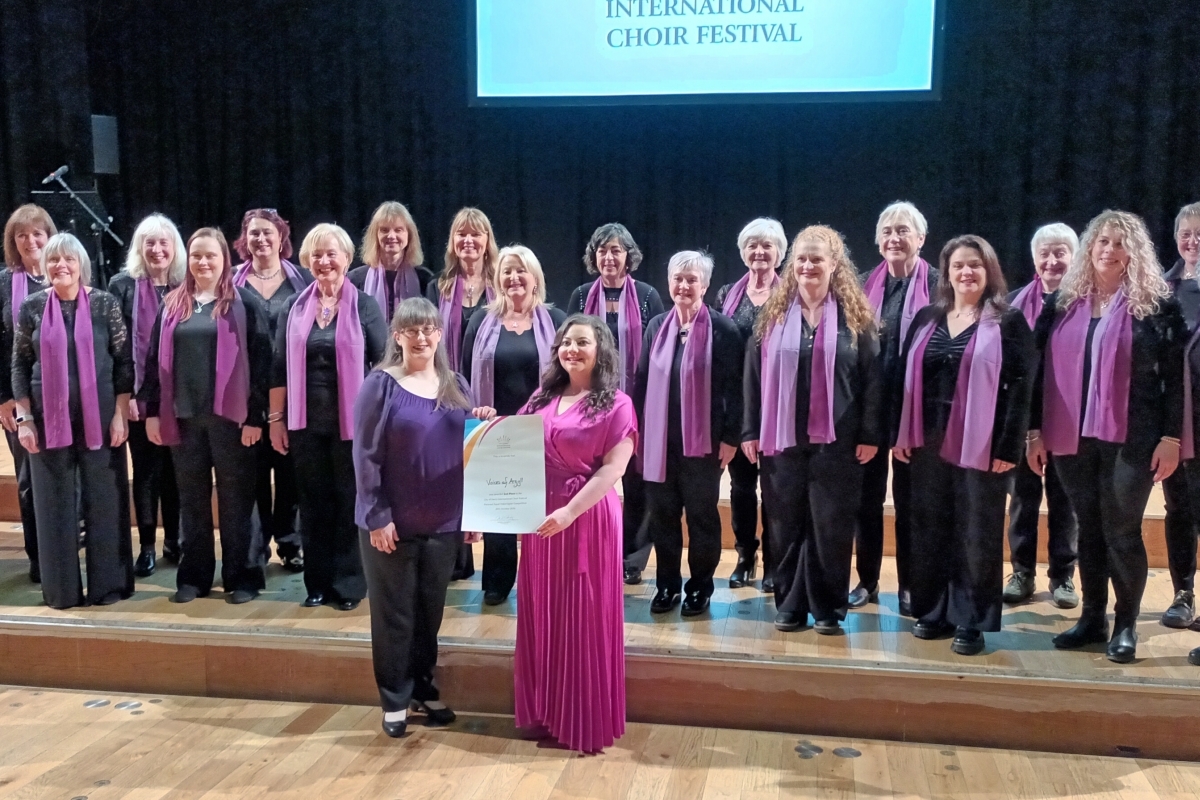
21, 420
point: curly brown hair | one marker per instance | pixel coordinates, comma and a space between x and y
843, 282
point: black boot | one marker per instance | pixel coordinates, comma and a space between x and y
743, 573
1092, 628
144, 566
1123, 647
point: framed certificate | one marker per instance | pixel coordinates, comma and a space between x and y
504, 475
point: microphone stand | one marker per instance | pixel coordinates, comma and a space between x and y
99, 227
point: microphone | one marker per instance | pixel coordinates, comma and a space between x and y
58, 173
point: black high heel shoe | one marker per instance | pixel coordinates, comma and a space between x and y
436, 716
395, 729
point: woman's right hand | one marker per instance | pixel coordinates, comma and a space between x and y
28, 437
901, 454
152, 431
384, 539
1035, 453
8, 414
750, 450
132, 416
279, 437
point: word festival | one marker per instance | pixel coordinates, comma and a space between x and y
703, 34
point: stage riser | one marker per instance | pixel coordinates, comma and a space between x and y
901, 705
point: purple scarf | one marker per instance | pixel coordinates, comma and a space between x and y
1107, 416
1029, 301
351, 356
289, 269
231, 391
56, 391
483, 357
965, 445
695, 389
145, 310
736, 292
915, 298
452, 328
20, 290
629, 325
781, 366
405, 284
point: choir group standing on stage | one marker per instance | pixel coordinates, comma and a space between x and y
285, 381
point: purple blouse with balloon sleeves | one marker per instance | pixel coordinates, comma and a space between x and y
408, 460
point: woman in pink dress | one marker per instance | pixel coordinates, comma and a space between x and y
570, 659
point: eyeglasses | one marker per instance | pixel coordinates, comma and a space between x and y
427, 331
1187, 236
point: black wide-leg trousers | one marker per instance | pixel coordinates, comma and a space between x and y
743, 510
153, 482
1180, 528
636, 542
692, 486
325, 479
1024, 511
869, 537
276, 502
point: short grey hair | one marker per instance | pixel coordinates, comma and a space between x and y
1054, 233
902, 211
694, 260
1191, 210
156, 224
764, 229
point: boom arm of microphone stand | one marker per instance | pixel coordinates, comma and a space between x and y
104, 226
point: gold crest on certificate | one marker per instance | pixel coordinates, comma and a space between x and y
504, 475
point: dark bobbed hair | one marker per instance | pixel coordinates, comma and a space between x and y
995, 294
605, 374
271, 216
417, 312
605, 234
179, 300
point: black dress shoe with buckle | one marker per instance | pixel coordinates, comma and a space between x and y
927, 630
967, 642
861, 595
1123, 647
664, 600
1086, 631
743, 573
434, 717
1182, 612
694, 604
633, 576
395, 729
313, 600
145, 564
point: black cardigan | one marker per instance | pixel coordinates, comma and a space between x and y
1155, 380
358, 277
726, 403
468, 348
7, 329
649, 301
858, 389
1018, 359
370, 319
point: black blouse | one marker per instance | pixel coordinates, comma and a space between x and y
745, 316
889, 330
649, 303
7, 327
517, 372
358, 277
274, 305
431, 294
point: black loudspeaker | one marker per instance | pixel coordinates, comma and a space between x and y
106, 158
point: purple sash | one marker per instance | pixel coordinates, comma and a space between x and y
231, 391
20, 290
351, 356
289, 269
145, 310
483, 357
736, 292
965, 445
780, 369
1029, 301
56, 392
915, 298
405, 284
1107, 416
629, 325
452, 328
695, 390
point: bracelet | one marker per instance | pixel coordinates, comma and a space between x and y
276, 417
1171, 439
1032, 437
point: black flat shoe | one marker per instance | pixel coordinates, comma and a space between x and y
694, 604
904, 603
743, 573
664, 600
1082, 633
967, 642
437, 716
35, 572
861, 595
633, 576
314, 600
931, 630
395, 729
1123, 647
827, 627
239, 596
171, 554
767, 586
1182, 612
348, 605
185, 594
1194, 657
786, 621
145, 564
293, 563
108, 599
493, 598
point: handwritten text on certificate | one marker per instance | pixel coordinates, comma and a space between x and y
504, 476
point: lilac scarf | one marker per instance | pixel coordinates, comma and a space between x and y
965, 445
629, 325
351, 356
483, 357
20, 290
1107, 416
736, 292
915, 298
781, 366
695, 389
231, 391
56, 391
450, 309
405, 284
145, 310
1029, 301
289, 269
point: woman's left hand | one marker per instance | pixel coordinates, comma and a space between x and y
471, 537
1001, 466
250, 435
558, 521
484, 413
728, 451
865, 452
1165, 460
118, 429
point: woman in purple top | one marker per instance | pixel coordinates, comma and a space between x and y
329, 336
963, 409
409, 422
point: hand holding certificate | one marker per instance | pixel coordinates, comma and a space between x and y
504, 475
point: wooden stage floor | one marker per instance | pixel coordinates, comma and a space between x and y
53, 746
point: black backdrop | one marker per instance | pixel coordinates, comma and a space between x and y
1051, 110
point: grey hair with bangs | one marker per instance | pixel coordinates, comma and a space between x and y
694, 260
156, 225
764, 229
902, 211
1054, 233
65, 244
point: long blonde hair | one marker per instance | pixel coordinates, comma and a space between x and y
1143, 279
392, 211
501, 305
476, 220
843, 282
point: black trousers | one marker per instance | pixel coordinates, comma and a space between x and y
812, 495
210, 444
1023, 513
636, 542
957, 555
869, 537
25, 495
1109, 495
153, 481
743, 510
693, 486
277, 506
499, 562
325, 479
464, 562
407, 589
103, 491
1180, 528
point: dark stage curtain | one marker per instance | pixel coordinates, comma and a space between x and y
1051, 110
